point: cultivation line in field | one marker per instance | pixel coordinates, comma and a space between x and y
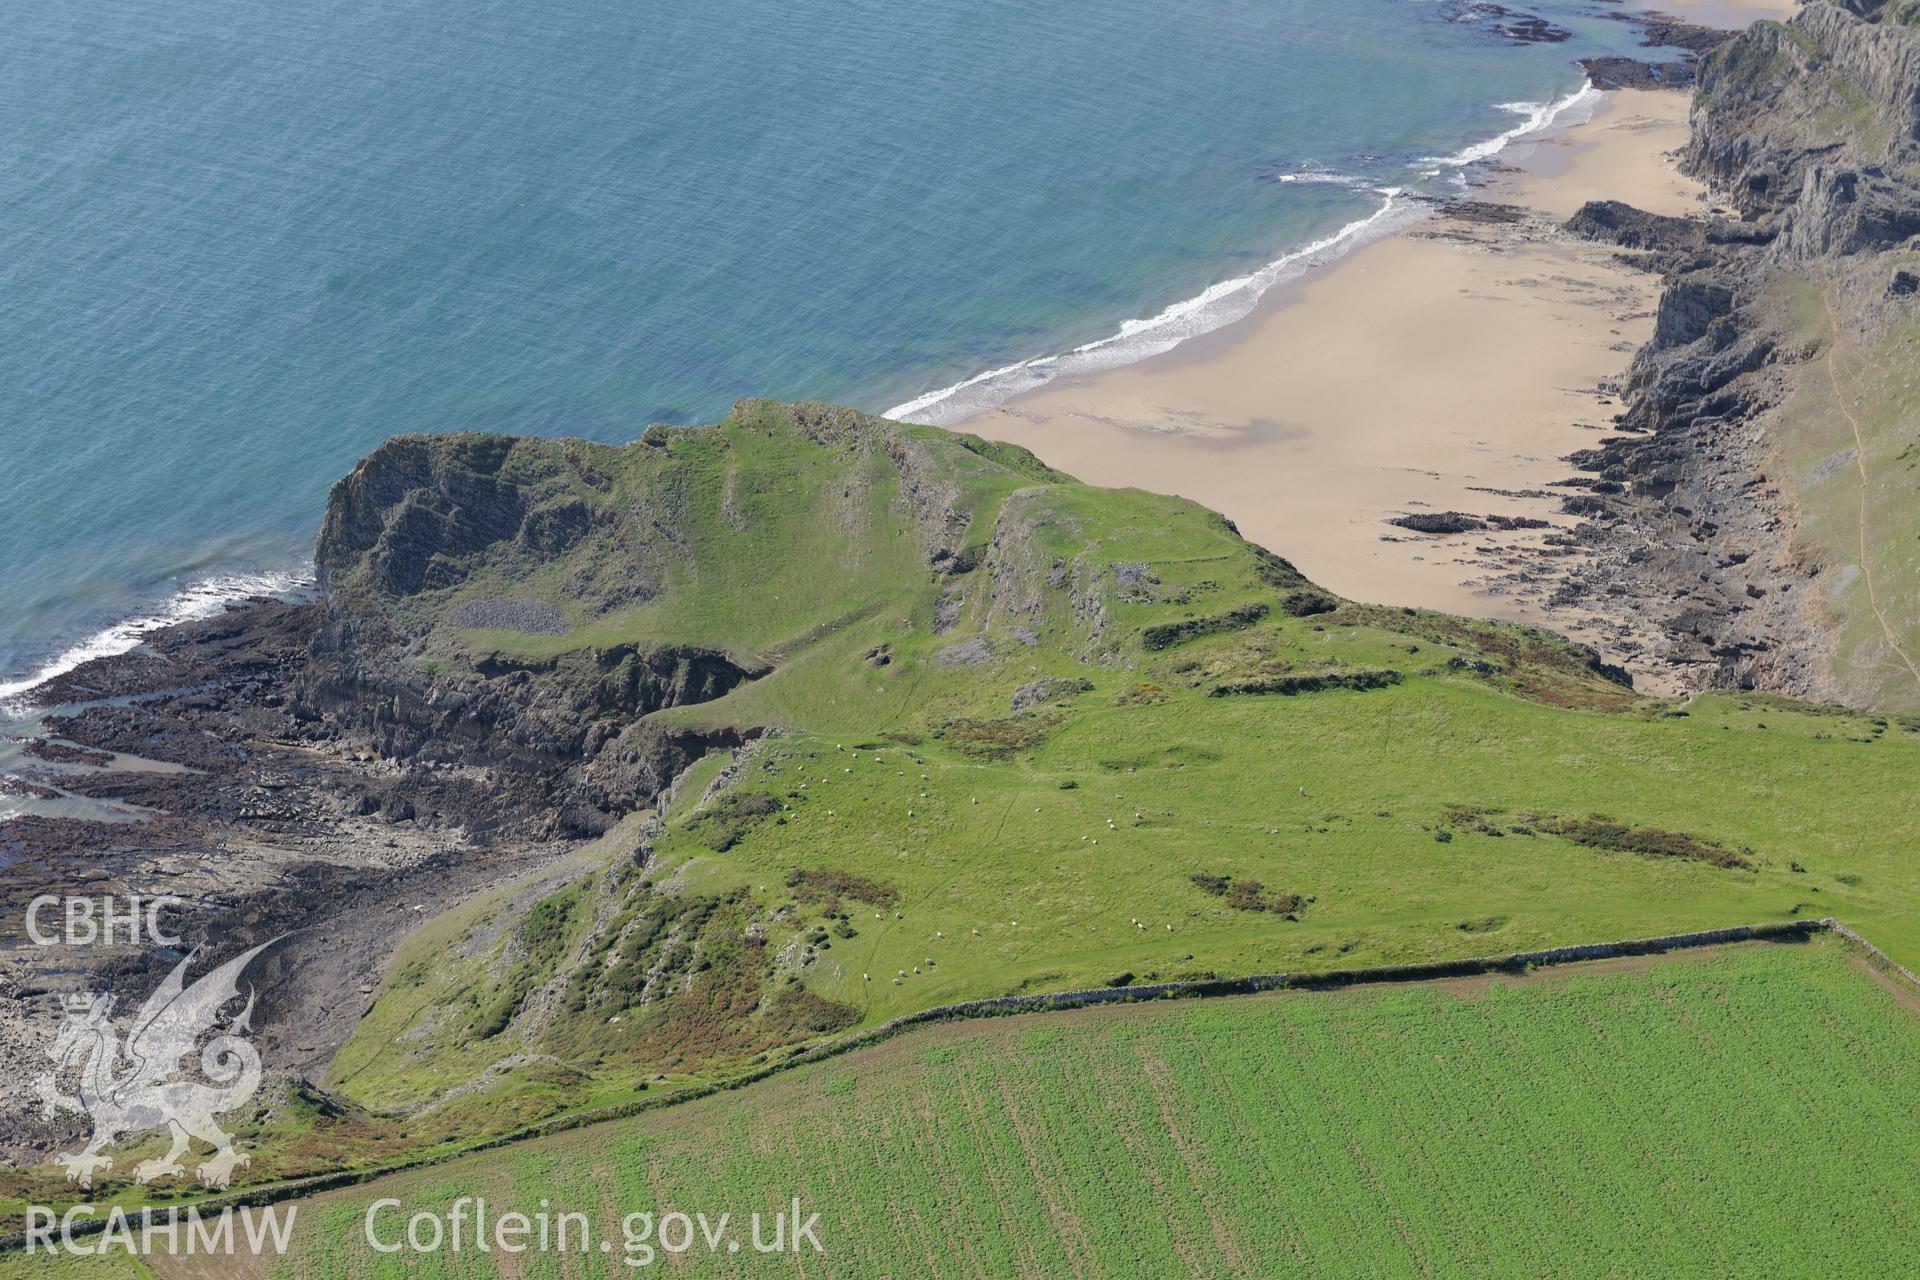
998, 1006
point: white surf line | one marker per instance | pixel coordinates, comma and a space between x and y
202, 598
1229, 300
1217, 305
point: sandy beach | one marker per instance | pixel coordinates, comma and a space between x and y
1450, 367
1726, 13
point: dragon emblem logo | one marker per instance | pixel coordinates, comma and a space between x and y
140, 1085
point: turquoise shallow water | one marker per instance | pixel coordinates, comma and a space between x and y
241, 241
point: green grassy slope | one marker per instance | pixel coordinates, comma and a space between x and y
1849, 454
1638, 1118
1420, 836
1408, 786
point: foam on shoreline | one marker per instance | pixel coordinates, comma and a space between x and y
1538, 117
1230, 300
1217, 305
201, 597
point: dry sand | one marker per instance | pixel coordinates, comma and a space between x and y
1450, 367
1725, 13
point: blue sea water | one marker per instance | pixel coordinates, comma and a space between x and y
242, 241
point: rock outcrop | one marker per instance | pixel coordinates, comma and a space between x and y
1810, 131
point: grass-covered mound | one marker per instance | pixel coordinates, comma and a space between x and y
1021, 734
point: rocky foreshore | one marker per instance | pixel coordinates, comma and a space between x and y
263, 825
1806, 131
318, 786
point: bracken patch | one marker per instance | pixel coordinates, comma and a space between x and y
998, 739
1603, 833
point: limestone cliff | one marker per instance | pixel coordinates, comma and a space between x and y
1757, 506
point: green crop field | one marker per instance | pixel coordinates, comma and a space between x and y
1741, 1111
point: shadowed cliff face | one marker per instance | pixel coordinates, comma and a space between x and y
423, 512
561, 736
428, 514
1815, 122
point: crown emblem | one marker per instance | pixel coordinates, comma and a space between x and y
81, 1001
